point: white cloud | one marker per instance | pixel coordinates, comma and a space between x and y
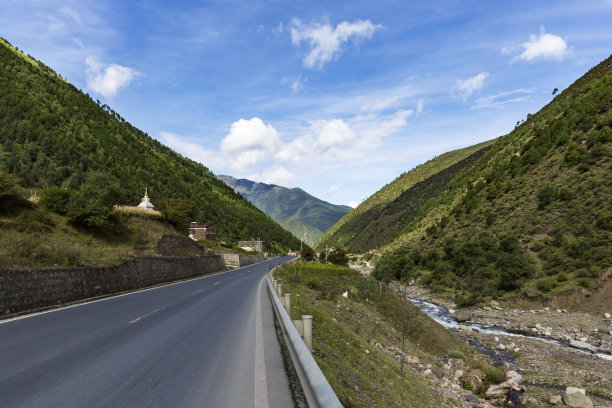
466, 87
71, 14
331, 190
379, 104
419, 107
539, 46
295, 83
352, 204
277, 175
544, 46
326, 42
249, 142
500, 100
107, 81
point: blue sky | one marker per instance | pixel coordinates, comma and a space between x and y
337, 98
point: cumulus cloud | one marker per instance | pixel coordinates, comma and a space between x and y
295, 83
276, 175
249, 142
466, 87
540, 46
107, 81
325, 41
352, 204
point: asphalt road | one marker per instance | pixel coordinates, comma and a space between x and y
207, 342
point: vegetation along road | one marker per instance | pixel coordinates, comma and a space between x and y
205, 342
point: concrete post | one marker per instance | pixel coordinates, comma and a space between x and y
288, 304
307, 319
280, 291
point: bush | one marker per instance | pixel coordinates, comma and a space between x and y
546, 284
338, 257
307, 253
547, 195
179, 213
11, 195
92, 206
494, 375
56, 199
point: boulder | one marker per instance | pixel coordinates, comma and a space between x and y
462, 315
555, 399
473, 400
575, 397
513, 383
427, 373
458, 373
412, 360
607, 315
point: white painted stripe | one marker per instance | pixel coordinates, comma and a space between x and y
111, 297
261, 384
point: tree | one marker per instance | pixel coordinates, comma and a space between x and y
56, 199
308, 253
11, 195
338, 257
555, 91
179, 212
92, 206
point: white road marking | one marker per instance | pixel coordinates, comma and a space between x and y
261, 384
148, 314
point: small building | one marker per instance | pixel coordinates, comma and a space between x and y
199, 232
293, 253
256, 246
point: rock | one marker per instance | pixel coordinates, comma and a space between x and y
516, 350
547, 333
475, 377
451, 311
513, 383
458, 373
447, 367
583, 339
501, 347
472, 400
575, 397
555, 399
428, 366
427, 373
558, 310
498, 308
511, 345
582, 345
412, 360
367, 351
607, 315
547, 309
437, 372
496, 339
462, 316
494, 303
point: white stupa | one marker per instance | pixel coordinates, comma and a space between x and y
146, 202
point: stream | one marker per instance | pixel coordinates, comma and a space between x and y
441, 315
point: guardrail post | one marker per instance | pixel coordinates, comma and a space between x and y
307, 319
288, 303
279, 291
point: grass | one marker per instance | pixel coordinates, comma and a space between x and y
35, 237
346, 329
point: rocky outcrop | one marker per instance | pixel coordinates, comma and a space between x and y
513, 383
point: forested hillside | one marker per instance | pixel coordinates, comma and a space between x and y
359, 229
307, 217
52, 134
532, 216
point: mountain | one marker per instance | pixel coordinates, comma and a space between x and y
528, 215
305, 216
351, 230
52, 134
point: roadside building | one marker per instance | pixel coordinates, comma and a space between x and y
255, 246
199, 232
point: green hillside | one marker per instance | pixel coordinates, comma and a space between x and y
52, 134
358, 229
307, 217
532, 216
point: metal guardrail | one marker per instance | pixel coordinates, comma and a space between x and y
318, 392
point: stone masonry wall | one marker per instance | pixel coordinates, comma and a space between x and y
238, 260
29, 289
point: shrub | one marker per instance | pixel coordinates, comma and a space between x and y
56, 199
546, 284
547, 195
584, 282
11, 195
494, 375
338, 257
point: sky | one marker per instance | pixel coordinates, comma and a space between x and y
337, 98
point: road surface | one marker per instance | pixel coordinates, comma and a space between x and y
207, 342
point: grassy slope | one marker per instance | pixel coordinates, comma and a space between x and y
343, 232
35, 237
52, 134
344, 329
548, 183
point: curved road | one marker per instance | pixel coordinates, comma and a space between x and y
207, 342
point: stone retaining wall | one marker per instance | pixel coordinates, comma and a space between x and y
30, 289
238, 260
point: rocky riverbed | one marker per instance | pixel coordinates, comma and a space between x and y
550, 349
